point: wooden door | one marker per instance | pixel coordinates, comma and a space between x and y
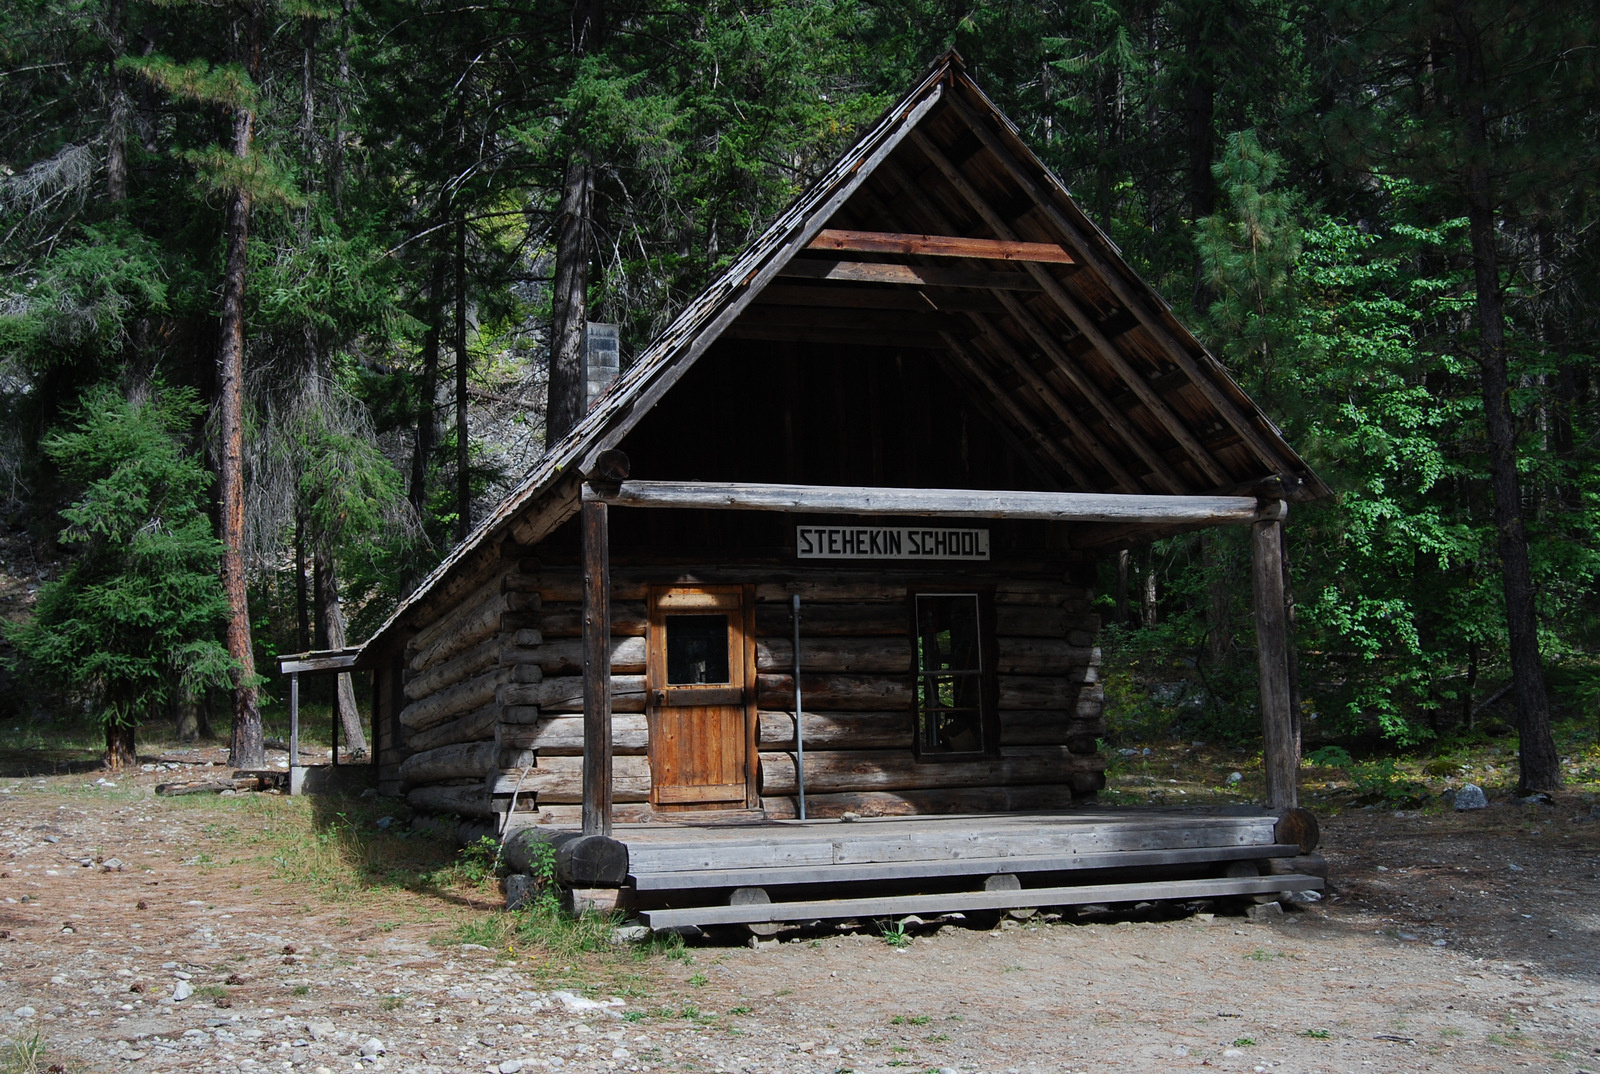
701, 688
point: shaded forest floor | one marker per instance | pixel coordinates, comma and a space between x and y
310, 928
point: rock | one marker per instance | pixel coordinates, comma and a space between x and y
372, 1048
1470, 796
112, 865
183, 975
630, 934
574, 1002
1514, 867
510, 1066
521, 891
319, 1030
384, 822
1305, 898
24, 1012
1537, 798
182, 991
1267, 911
1232, 1053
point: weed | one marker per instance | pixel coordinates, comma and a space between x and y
1451, 1031
301, 990
1330, 757
699, 980
938, 1038
688, 1010
23, 1055
738, 1010
1245, 1042
392, 1003
910, 1020
211, 992
894, 934
1261, 954
489, 930
634, 1016
1317, 1034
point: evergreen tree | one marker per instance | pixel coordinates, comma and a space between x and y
132, 624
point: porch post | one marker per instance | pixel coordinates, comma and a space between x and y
1279, 739
596, 670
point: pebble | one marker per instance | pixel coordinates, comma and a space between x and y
319, 1030
1232, 1053
24, 1012
372, 1048
1235, 777
182, 991
510, 1066
630, 934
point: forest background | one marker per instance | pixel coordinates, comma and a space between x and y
284, 285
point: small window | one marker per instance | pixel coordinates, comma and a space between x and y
697, 649
950, 674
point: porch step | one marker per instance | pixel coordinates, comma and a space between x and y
955, 901
668, 880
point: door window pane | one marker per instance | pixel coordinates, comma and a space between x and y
697, 649
949, 674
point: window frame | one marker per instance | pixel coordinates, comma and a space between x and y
988, 688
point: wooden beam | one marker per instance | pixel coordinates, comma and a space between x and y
327, 660
888, 242
929, 503
830, 335
1126, 291
596, 667
906, 275
1176, 427
1280, 745
829, 296
1001, 398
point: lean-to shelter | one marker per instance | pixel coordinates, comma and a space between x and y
826, 548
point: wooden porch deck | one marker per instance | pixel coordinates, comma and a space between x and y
758, 872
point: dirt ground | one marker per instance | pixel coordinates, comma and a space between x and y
1459, 942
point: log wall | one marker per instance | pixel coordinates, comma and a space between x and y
491, 698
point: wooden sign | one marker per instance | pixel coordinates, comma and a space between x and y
890, 542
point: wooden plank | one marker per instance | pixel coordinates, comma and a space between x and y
872, 654
628, 619
888, 242
953, 902
1049, 863
565, 656
935, 842
928, 503
331, 660
905, 275
1280, 744
597, 762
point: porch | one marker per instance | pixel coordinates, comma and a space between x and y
756, 873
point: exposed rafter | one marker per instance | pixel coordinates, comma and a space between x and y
890, 242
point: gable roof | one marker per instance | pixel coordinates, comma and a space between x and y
1081, 358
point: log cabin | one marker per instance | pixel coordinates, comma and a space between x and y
805, 601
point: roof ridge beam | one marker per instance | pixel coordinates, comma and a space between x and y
895, 242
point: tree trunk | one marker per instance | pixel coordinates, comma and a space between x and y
120, 752
1149, 601
1199, 120
463, 457
117, 121
569, 300
1540, 766
186, 722
426, 389
344, 695
1123, 557
246, 748
302, 602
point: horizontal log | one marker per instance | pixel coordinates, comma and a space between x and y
1031, 622
460, 761
887, 242
455, 701
837, 730
1076, 729
892, 770
1045, 691
468, 800
563, 735
837, 654
915, 803
461, 605
560, 780
476, 725
906, 275
774, 620
564, 656
579, 860
1042, 656
570, 817
932, 503
522, 639
841, 692
483, 655
566, 694
565, 620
